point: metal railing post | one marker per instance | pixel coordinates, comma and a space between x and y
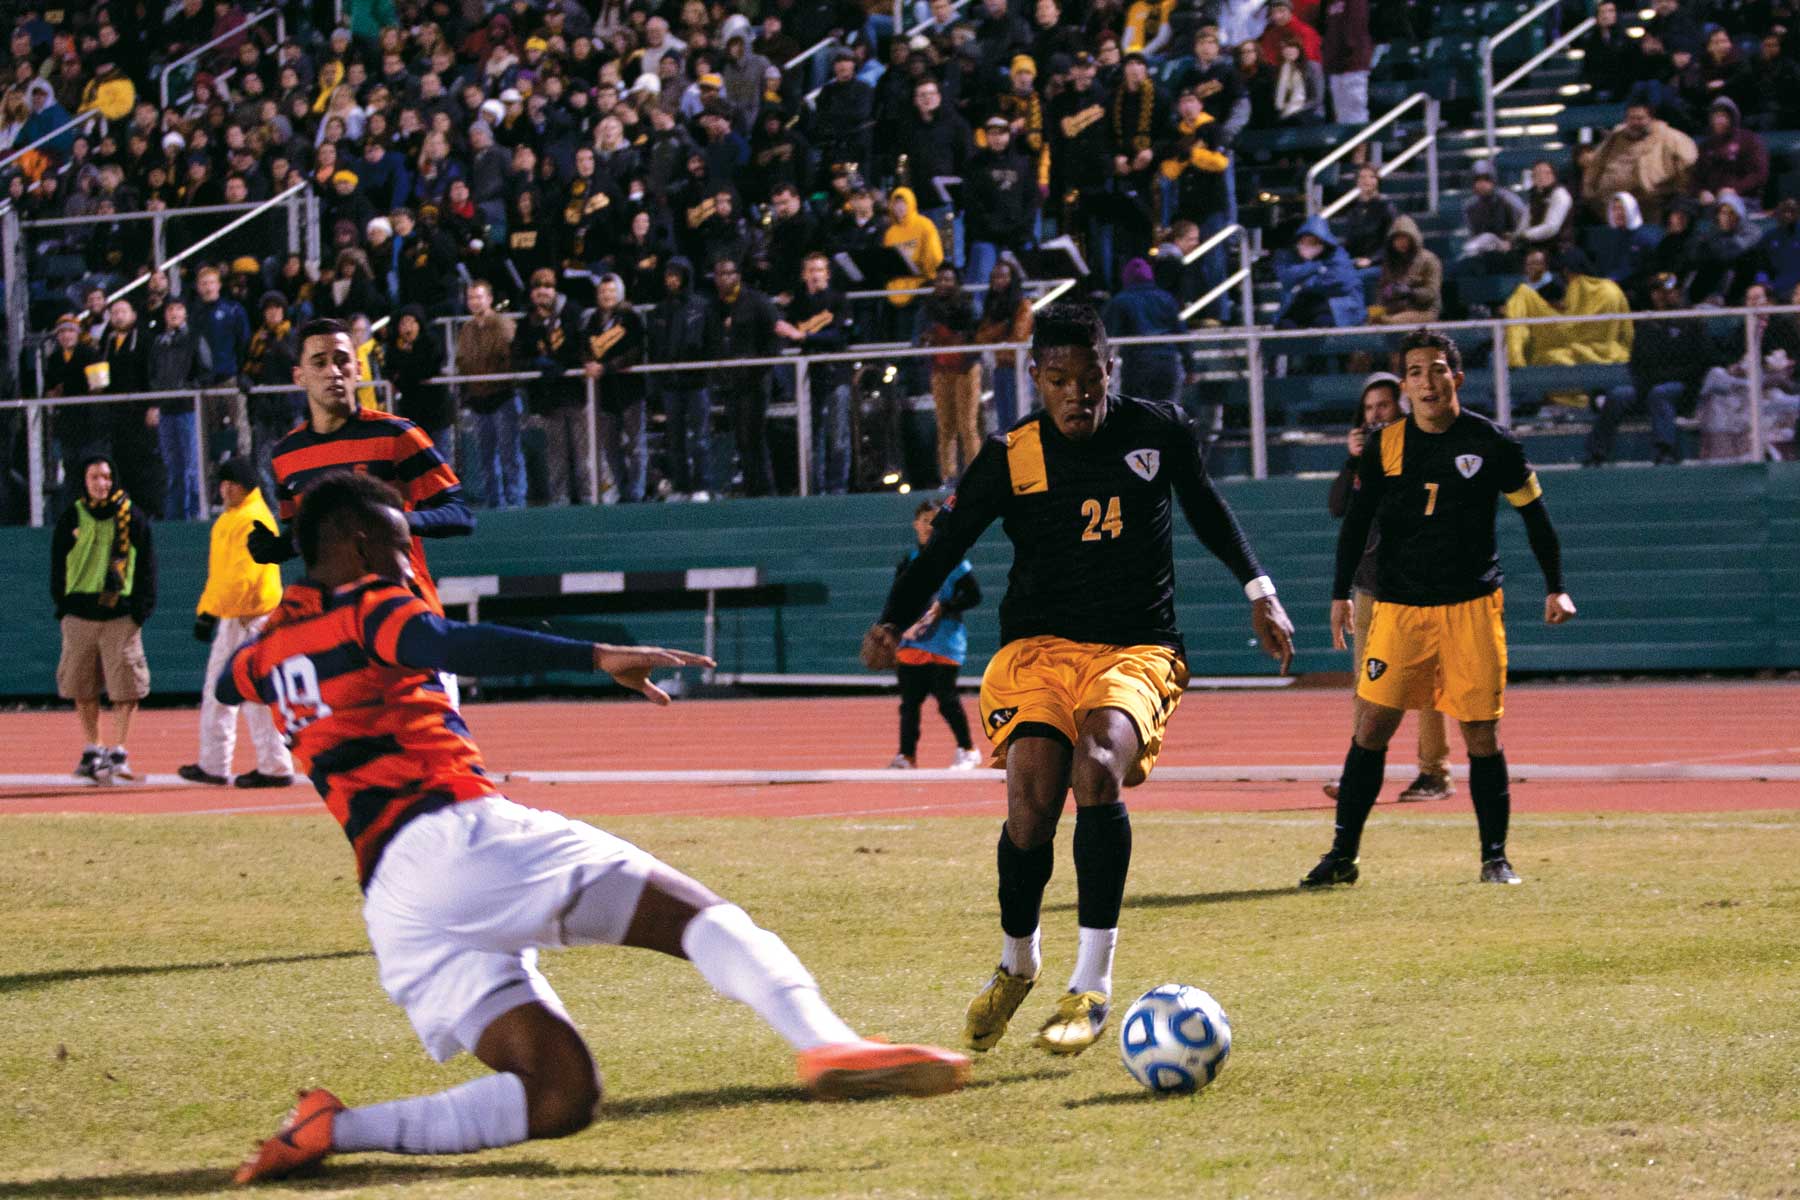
34, 469
1021, 381
1502, 379
293, 224
1431, 153
240, 412
200, 452
591, 414
158, 250
803, 430
310, 226
1753, 378
1259, 413
1247, 284
12, 260
1490, 128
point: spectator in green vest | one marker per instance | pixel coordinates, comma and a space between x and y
103, 583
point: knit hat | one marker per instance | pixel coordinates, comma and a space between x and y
536, 43
615, 279
244, 264
173, 141
68, 319
272, 299
711, 81
348, 177
382, 223
492, 111
238, 469
1484, 168
647, 83
1023, 62
1138, 270
1379, 378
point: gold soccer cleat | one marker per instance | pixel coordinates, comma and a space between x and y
992, 1007
1076, 1023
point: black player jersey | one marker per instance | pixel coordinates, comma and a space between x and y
1432, 497
1090, 526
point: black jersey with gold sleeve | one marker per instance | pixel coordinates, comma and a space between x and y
1432, 497
1090, 523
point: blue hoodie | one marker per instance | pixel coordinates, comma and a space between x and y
947, 639
1331, 277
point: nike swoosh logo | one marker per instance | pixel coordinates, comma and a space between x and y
287, 1135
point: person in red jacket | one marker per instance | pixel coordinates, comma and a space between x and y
1283, 22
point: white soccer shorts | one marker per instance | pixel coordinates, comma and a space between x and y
464, 897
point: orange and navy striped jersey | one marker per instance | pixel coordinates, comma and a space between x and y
381, 742
390, 448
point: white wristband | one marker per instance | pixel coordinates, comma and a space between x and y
1260, 588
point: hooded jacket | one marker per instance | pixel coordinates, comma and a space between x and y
1736, 159
1331, 277
1413, 283
426, 405
1779, 250
916, 236
678, 330
1622, 254
1574, 344
1725, 262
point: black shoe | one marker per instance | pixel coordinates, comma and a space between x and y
195, 773
92, 759
1498, 870
1332, 869
1428, 787
256, 779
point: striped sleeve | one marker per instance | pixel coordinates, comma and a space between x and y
383, 612
419, 468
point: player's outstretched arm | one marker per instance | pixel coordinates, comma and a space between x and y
970, 510
429, 642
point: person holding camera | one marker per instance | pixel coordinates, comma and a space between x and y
239, 596
1380, 406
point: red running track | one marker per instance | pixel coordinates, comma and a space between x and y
1750, 724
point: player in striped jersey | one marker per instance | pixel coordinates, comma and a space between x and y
462, 886
339, 435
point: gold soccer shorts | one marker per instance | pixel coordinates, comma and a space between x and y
1451, 657
1056, 682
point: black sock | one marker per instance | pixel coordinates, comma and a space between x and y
1492, 793
1357, 789
1102, 857
1023, 876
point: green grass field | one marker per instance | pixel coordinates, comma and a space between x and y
1625, 1024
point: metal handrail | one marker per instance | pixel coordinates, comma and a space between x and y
1219, 239
809, 52
209, 239
1383, 170
241, 30
79, 119
957, 7
167, 214
1315, 195
1490, 90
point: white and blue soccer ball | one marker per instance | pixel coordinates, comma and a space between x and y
1175, 1039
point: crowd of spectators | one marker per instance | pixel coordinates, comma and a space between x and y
588, 187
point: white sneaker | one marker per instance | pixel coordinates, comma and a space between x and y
966, 760
701, 497
902, 763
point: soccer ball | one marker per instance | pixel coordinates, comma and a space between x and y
1174, 1039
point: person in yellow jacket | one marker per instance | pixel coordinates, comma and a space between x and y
1571, 292
914, 236
240, 594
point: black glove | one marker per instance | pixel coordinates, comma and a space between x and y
205, 626
267, 546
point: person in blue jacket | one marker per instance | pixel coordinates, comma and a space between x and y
1144, 309
1320, 287
931, 653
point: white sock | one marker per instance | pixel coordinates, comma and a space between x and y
1093, 962
1020, 956
747, 963
477, 1115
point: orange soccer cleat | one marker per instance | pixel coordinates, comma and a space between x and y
303, 1139
851, 1070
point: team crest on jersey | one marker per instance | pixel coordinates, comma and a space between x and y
1468, 464
1376, 669
1144, 463
1000, 716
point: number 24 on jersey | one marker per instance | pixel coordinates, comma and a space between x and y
1102, 520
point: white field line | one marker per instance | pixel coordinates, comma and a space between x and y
1292, 773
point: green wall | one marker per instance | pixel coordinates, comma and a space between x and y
1688, 569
